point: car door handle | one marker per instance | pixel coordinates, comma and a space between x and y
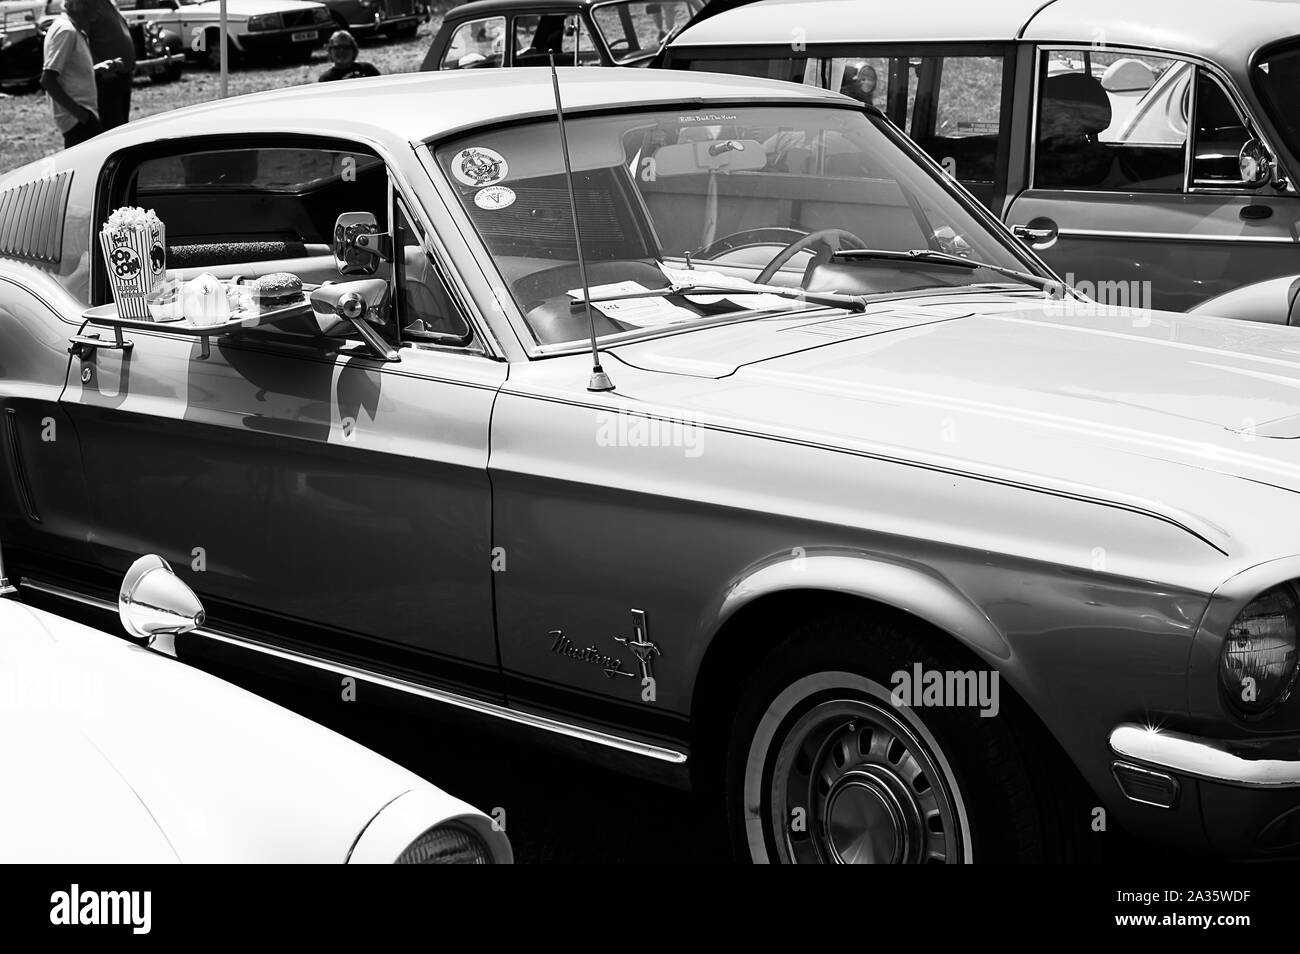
1033, 235
83, 346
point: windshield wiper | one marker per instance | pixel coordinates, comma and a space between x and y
946, 258
827, 299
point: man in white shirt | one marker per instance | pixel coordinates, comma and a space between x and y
69, 75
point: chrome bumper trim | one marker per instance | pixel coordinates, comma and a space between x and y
631, 746
1207, 759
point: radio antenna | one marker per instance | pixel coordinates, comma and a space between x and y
599, 379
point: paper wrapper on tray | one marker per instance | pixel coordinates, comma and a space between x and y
135, 257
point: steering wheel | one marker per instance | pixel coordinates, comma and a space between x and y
832, 238
770, 235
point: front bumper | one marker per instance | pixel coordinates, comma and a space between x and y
1248, 791
269, 42
157, 65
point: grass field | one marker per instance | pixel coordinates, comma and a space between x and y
27, 128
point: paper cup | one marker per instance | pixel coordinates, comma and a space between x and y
136, 259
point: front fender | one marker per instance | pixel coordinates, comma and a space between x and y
909, 587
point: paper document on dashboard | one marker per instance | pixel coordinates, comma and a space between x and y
687, 277
638, 312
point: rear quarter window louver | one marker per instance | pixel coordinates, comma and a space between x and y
31, 218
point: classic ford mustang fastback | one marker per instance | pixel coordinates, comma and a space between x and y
865, 527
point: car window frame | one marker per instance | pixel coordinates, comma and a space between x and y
507, 52
1193, 186
1198, 63
474, 339
116, 169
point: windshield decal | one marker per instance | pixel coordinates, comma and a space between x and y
479, 166
494, 197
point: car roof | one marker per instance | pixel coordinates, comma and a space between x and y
415, 107
1197, 27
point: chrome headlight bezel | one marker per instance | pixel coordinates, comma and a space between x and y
1239, 657
447, 843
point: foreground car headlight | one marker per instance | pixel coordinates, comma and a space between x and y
320, 14
1258, 665
446, 845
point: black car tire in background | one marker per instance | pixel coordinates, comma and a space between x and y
818, 751
211, 55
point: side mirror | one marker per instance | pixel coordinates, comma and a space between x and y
155, 606
1254, 164
342, 308
359, 247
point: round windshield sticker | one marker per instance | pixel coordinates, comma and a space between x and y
477, 166
494, 197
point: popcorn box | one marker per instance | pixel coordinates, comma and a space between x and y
136, 259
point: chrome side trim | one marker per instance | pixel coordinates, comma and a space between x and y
1201, 758
1178, 237
643, 749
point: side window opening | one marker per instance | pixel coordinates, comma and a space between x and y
1220, 134
249, 211
1111, 122
476, 44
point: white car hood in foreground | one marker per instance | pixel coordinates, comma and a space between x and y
112, 753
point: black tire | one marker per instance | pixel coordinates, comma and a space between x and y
171, 74
404, 32
964, 787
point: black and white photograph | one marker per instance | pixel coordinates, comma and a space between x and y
652, 432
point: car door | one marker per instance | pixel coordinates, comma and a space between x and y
1135, 193
308, 490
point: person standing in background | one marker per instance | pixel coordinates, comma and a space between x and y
68, 75
110, 42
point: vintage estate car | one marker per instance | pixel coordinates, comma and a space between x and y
866, 528
114, 753
395, 18
258, 29
1070, 119
20, 43
578, 32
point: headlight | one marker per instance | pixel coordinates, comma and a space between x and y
446, 845
321, 14
1258, 666
151, 28
266, 21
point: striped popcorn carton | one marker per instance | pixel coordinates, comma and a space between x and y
134, 243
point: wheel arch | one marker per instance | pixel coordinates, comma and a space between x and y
766, 604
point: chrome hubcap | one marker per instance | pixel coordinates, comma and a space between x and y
853, 783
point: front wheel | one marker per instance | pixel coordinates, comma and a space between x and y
823, 768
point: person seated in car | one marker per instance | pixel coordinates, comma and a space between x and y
860, 82
343, 51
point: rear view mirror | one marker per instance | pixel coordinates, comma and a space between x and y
1254, 163
359, 247
155, 606
709, 155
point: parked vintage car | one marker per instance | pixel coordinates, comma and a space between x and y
488, 33
21, 53
115, 753
1070, 119
849, 439
258, 29
395, 18
159, 52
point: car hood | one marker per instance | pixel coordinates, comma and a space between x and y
168, 761
1154, 407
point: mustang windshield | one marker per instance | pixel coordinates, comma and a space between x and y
742, 195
